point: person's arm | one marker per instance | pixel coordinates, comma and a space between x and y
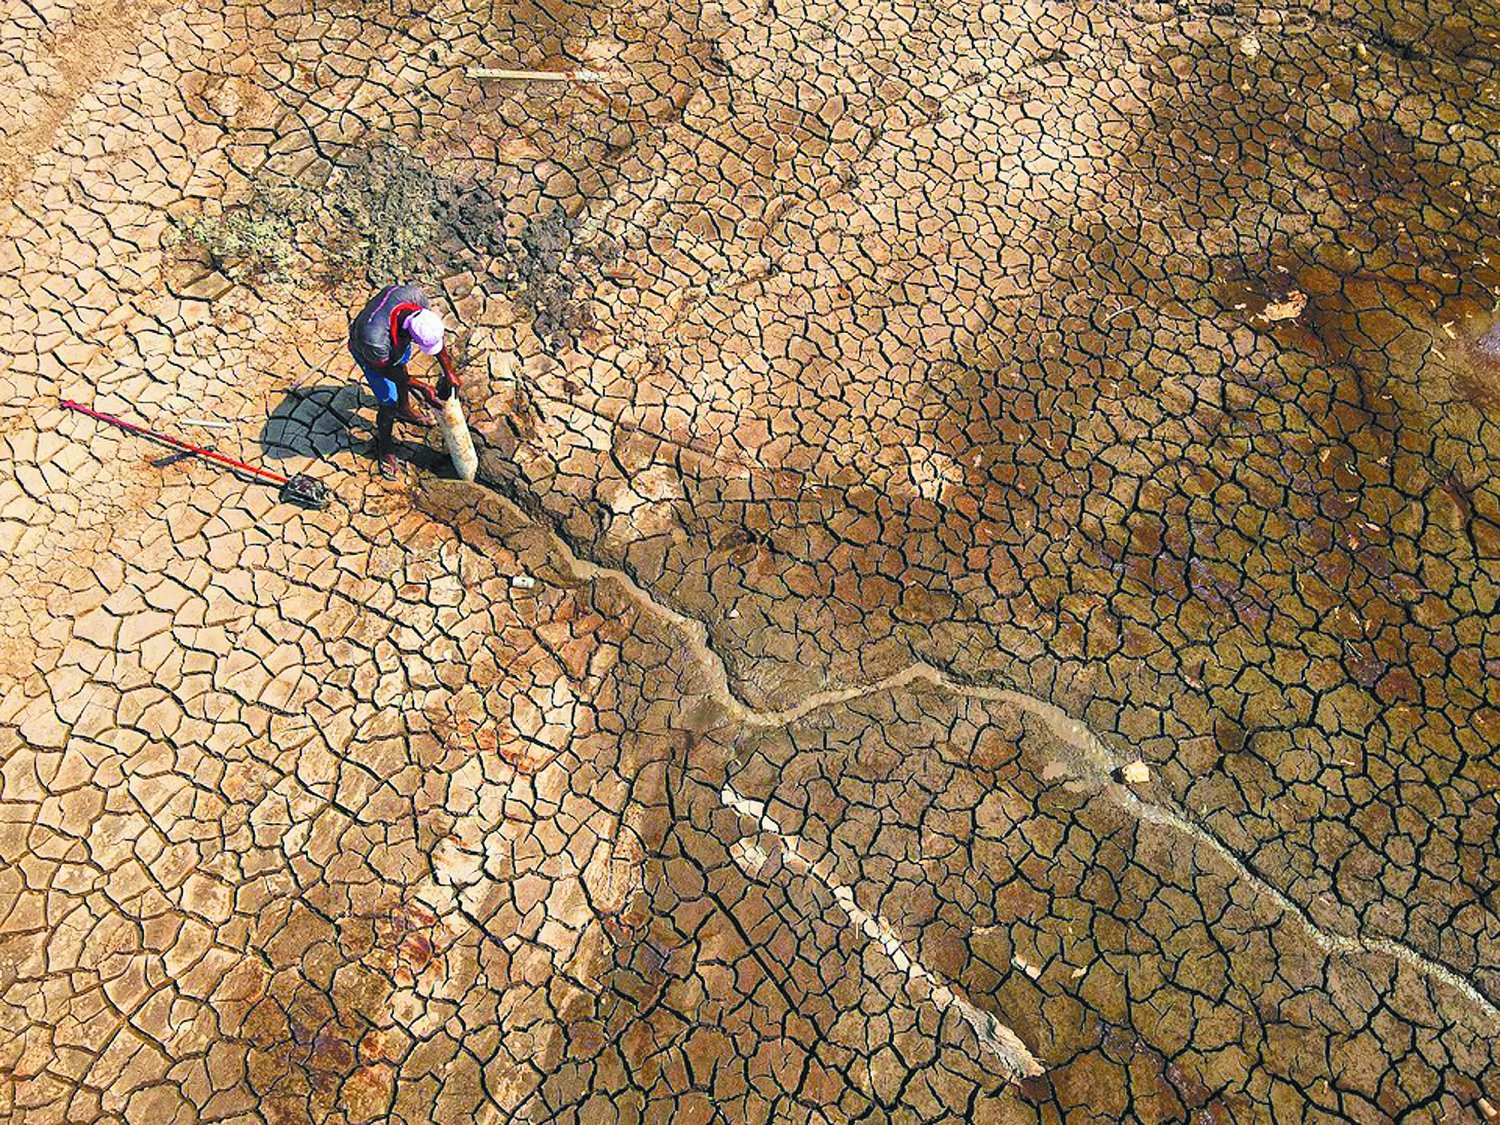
450, 372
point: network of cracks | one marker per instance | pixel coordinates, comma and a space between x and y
979, 602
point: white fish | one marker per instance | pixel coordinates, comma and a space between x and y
456, 438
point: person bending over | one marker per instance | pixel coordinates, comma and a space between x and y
394, 323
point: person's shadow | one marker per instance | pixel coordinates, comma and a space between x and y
323, 420
316, 422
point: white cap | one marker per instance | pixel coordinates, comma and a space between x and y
426, 329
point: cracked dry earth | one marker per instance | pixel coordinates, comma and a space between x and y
896, 418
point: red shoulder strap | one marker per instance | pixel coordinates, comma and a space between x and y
396, 314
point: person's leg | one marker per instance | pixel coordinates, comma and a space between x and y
387, 396
405, 411
424, 392
385, 456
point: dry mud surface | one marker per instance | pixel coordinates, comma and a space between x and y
896, 418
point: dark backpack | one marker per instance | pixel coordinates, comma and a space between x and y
378, 336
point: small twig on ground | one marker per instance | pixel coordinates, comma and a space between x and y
538, 75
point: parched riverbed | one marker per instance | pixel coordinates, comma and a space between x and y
980, 602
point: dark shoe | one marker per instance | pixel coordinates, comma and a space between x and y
388, 467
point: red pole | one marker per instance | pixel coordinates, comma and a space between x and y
196, 450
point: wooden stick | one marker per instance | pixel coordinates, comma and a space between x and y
538, 75
206, 422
